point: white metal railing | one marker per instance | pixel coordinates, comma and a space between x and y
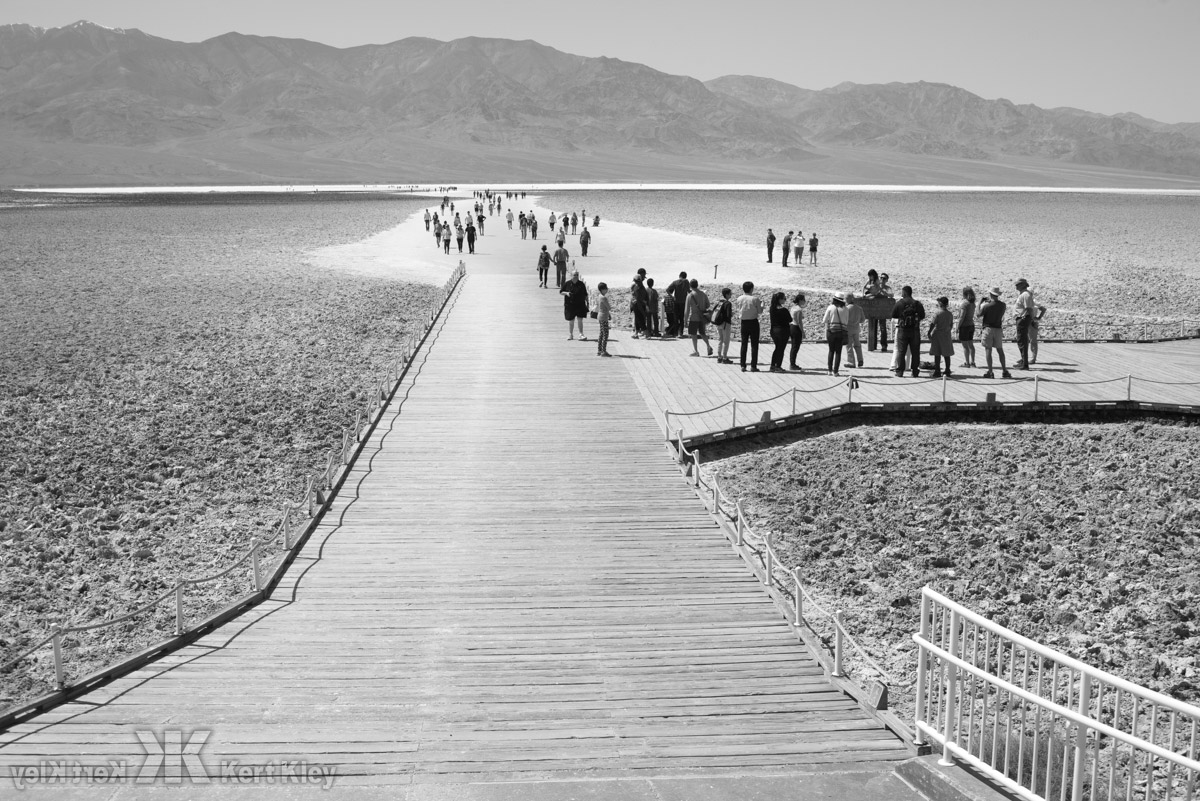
763, 557
295, 519
1124, 387
1041, 723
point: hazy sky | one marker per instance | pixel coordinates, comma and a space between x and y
1100, 55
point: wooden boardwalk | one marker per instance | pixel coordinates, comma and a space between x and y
669, 379
516, 592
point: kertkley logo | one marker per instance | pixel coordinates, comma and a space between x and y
171, 755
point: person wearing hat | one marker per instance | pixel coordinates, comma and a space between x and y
1026, 314
991, 312
836, 320
854, 351
908, 314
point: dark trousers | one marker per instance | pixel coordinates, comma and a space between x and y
908, 345
471, 245
583, 248
560, 273
1023, 326
543, 274
797, 337
835, 340
770, 251
672, 325
750, 334
639, 318
877, 330
779, 335
602, 340
785, 254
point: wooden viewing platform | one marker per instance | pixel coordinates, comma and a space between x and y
516, 595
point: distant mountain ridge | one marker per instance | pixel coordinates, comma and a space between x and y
88, 103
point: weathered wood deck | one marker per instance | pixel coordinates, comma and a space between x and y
515, 587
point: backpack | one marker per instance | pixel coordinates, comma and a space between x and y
724, 312
544, 260
908, 316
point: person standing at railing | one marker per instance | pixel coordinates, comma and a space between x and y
941, 339
908, 314
991, 312
854, 352
1026, 311
965, 332
781, 320
877, 328
678, 289
835, 321
723, 320
797, 328
1033, 333
749, 308
652, 318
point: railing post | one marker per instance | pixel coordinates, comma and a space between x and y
951, 691
1085, 700
741, 524
734, 425
922, 671
667, 423
257, 566
838, 643
179, 608
60, 679
308, 494
1085, 336
679, 445
1128, 387
849, 390
799, 596
358, 427
1036, 379
287, 525
345, 446
696, 468
769, 561
944, 380
793, 401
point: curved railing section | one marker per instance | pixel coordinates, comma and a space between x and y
1041, 723
262, 570
1124, 389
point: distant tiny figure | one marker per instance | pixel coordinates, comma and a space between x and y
459, 234
561, 237
481, 220
446, 236
574, 223
532, 226
427, 219
787, 247
770, 245
509, 218
991, 312
523, 222
585, 239
552, 220
941, 337
965, 333
798, 248
812, 250
437, 234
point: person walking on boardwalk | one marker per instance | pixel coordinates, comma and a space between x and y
446, 236
941, 337
1027, 314
561, 238
749, 308
437, 234
552, 221
603, 318
427, 219
585, 239
908, 313
532, 226
509, 218
723, 320
781, 321
854, 352
787, 247
991, 312
574, 223
459, 234
835, 321
798, 248
796, 329
543, 267
652, 309
575, 304
965, 332
696, 312
770, 245
812, 249
481, 219
470, 237
679, 289
561, 256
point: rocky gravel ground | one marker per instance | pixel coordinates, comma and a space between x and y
172, 372
1083, 537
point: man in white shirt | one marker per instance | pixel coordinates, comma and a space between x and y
1026, 314
748, 308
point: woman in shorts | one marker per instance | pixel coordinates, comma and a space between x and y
965, 331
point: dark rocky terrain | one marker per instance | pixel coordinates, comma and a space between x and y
1084, 537
171, 375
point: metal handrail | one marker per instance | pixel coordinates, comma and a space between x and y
1101, 714
337, 461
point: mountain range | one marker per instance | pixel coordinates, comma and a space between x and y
85, 104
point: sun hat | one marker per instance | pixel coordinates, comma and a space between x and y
994, 291
1021, 282
840, 296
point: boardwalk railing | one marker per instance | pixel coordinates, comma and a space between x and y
1041, 723
743, 412
847, 661
260, 570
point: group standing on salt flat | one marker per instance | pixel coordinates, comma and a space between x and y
687, 310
